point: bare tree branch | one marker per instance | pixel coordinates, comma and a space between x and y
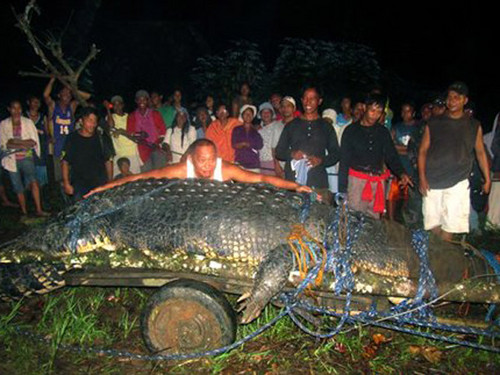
57, 52
92, 54
64, 79
23, 22
61, 69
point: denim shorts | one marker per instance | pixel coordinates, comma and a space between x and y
24, 176
41, 174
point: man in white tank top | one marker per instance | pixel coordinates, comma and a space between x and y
201, 161
217, 176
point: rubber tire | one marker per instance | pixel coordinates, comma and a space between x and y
211, 326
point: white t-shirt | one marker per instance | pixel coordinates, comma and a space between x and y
173, 137
270, 135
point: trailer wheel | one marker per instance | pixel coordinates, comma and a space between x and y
187, 316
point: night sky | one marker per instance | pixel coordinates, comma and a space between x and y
428, 44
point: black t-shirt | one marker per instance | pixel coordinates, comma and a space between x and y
314, 138
367, 149
87, 157
451, 152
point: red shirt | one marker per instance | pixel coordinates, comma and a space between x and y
295, 114
152, 123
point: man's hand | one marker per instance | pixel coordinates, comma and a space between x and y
297, 155
27, 144
93, 191
314, 161
487, 187
424, 187
405, 180
340, 198
168, 153
241, 145
68, 189
304, 189
279, 171
107, 105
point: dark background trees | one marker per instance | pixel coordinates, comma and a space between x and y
156, 45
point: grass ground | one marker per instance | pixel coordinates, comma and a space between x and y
109, 317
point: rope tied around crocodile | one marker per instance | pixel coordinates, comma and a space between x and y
305, 249
314, 259
426, 281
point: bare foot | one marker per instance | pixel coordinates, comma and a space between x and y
42, 214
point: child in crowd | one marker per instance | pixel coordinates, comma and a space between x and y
124, 167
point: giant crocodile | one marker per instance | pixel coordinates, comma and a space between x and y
221, 229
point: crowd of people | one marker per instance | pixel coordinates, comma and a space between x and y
425, 168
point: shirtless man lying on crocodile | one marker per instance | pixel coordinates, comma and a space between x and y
202, 162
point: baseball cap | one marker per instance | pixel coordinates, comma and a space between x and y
330, 114
141, 94
245, 107
290, 100
116, 98
439, 101
264, 106
459, 87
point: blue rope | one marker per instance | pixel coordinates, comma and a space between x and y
306, 207
490, 257
339, 262
404, 313
426, 281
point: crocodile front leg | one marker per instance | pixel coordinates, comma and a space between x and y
270, 279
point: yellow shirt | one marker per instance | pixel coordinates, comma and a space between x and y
123, 145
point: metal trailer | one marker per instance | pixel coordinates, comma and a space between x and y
191, 313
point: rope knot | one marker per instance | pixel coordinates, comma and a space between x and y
306, 249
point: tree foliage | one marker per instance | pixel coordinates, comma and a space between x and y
223, 74
336, 66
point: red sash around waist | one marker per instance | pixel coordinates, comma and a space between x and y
367, 194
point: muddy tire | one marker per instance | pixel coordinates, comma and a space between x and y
187, 316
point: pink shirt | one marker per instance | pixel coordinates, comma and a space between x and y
152, 124
16, 132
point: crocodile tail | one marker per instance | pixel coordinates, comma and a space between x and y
19, 280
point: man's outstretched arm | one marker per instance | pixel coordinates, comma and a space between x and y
170, 171
232, 172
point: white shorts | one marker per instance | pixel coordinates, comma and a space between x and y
448, 208
494, 206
